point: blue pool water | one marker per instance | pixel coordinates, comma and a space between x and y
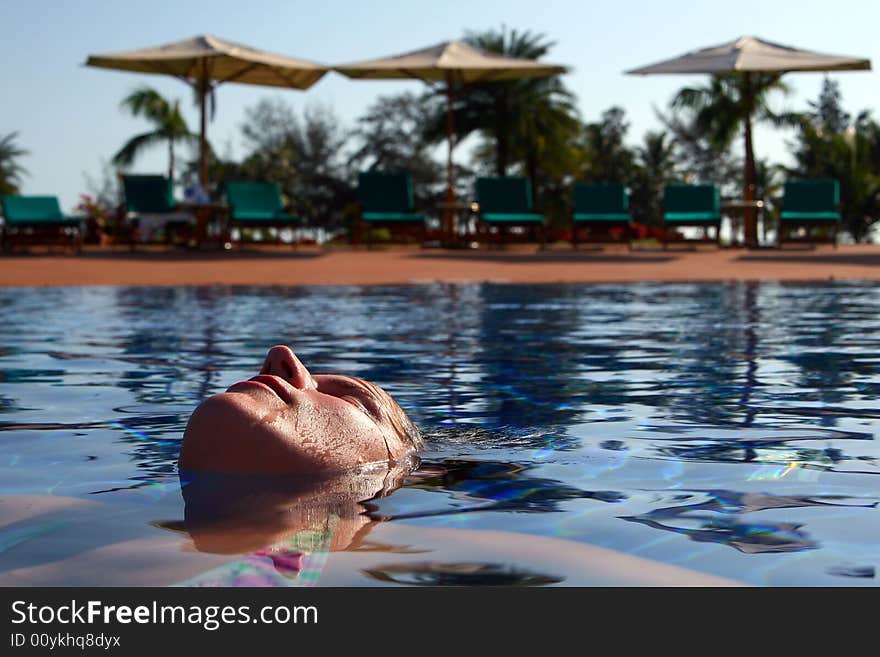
727, 429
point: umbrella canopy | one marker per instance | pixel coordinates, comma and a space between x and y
206, 61
454, 61
749, 55
450, 62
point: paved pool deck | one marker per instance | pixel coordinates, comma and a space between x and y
282, 265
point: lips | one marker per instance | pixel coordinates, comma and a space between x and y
273, 384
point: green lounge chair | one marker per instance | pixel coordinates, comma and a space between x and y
600, 207
810, 204
258, 205
506, 202
150, 205
385, 199
692, 205
38, 220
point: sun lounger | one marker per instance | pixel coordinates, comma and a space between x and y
506, 202
386, 200
38, 220
150, 208
692, 205
258, 205
810, 204
601, 208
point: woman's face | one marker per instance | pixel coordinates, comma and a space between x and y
287, 420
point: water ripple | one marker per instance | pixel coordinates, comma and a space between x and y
650, 418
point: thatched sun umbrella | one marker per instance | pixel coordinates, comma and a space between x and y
204, 62
748, 55
449, 63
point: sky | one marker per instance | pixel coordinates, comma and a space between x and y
67, 115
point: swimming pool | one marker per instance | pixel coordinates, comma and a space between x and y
726, 429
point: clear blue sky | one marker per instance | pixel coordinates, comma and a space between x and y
68, 115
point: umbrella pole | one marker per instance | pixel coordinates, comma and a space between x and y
750, 216
449, 210
203, 141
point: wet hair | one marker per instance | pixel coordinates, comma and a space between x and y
406, 428
397, 417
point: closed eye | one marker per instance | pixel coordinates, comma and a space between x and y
350, 391
357, 403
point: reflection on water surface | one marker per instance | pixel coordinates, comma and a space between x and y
672, 422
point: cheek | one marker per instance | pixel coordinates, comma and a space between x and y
335, 421
337, 418
339, 431
329, 433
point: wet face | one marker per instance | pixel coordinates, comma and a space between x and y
286, 419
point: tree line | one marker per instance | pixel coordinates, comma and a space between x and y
528, 127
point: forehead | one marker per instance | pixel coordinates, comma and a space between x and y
353, 384
373, 388
340, 380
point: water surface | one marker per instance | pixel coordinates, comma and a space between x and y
724, 428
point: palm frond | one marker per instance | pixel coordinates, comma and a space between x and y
11, 170
126, 155
148, 103
693, 98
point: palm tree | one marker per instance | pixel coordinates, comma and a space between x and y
728, 104
832, 144
657, 155
169, 125
769, 179
655, 166
389, 137
606, 156
546, 136
11, 172
520, 117
696, 158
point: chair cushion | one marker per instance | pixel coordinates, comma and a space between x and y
808, 196
601, 217
809, 216
385, 193
600, 199
505, 195
34, 210
254, 200
687, 201
150, 194
691, 217
513, 218
393, 217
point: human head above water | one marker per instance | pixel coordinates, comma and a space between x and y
287, 420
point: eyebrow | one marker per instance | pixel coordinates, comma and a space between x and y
373, 392
377, 396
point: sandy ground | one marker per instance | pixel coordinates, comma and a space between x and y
395, 265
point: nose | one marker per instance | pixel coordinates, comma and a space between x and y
282, 362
